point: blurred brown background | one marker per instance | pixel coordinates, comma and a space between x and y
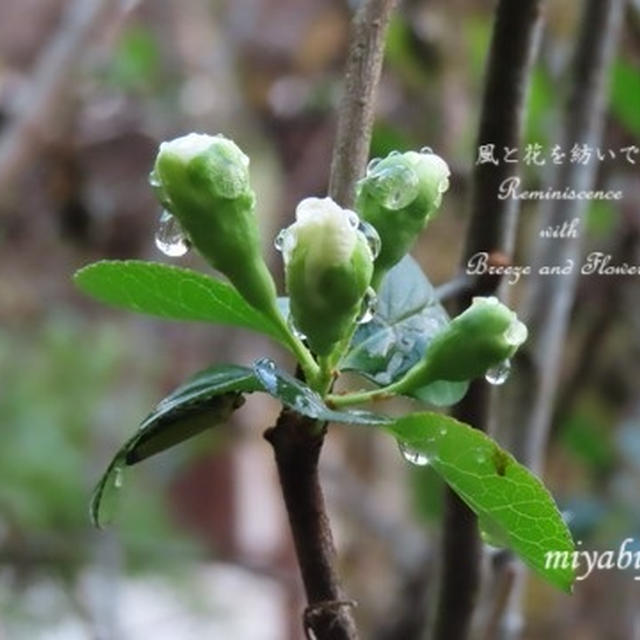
88, 88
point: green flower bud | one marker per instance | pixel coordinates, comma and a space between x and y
473, 343
203, 181
398, 196
328, 268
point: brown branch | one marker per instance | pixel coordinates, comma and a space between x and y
355, 118
550, 300
491, 229
297, 441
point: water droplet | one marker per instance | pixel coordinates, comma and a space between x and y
369, 306
265, 370
292, 326
279, 241
480, 456
418, 458
154, 180
118, 478
443, 430
266, 364
170, 238
371, 236
393, 153
516, 333
498, 375
426, 150
395, 186
373, 163
354, 220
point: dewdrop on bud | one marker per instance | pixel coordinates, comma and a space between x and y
477, 343
328, 267
202, 181
398, 196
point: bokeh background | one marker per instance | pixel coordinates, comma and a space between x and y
200, 548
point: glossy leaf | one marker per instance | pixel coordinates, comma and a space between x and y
408, 316
513, 506
171, 292
205, 400
297, 396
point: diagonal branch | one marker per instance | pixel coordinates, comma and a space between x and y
297, 441
491, 229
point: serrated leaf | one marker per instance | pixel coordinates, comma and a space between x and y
511, 503
172, 292
298, 396
205, 400
407, 318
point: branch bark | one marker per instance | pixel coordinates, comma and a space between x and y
355, 118
549, 301
297, 441
491, 229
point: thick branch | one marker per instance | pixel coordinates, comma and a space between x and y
297, 441
491, 229
355, 118
550, 299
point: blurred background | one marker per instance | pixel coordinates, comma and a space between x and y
200, 548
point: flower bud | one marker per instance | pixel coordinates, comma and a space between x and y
398, 196
203, 181
328, 267
484, 336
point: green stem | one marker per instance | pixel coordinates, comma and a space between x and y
310, 368
360, 397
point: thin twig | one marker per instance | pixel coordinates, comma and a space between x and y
355, 118
297, 441
32, 126
491, 229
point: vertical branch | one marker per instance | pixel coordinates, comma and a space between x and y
491, 229
297, 441
355, 118
549, 300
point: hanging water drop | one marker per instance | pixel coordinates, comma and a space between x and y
413, 456
373, 163
426, 150
170, 238
369, 306
371, 236
498, 375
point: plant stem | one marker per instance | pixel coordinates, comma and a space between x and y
296, 440
491, 229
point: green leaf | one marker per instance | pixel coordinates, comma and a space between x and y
298, 396
408, 316
172, 292
204, 401
512, 505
